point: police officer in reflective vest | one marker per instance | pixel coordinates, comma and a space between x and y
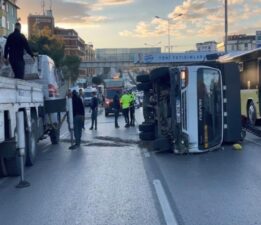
125, 104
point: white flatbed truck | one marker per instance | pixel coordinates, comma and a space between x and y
28, 97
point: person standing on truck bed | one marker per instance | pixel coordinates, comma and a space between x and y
78, 118
14, 50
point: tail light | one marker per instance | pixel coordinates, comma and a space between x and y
107, 101
184, 74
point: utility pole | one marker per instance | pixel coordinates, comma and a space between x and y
43, 7
226, 27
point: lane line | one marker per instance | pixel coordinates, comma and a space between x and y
164, 203
64, 134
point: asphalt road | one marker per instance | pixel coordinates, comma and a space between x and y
114, 179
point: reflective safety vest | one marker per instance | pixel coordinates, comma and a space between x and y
125, 101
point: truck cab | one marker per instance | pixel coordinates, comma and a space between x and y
88, 95
195, 108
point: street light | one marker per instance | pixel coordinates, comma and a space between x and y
226, 29
168, 20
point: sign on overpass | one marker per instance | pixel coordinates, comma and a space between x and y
152, 60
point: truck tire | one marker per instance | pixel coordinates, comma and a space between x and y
143, 78
161, 144
146, 127
106, 114
55, 136
147, 136
159, 73
30, 141
145, 86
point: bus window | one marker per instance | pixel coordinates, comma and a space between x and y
210, 111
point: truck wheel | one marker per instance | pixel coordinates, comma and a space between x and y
143, 78
55, 136
251, 113
159, 73
13, 166
106, 114
146, 86
30, 148
146, 127
147, 136
161, 144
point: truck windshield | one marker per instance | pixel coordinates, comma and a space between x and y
111, 93
209, 108
87, 94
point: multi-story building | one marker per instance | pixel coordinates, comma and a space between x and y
208, 46
74, 45
8, 16
37, 23
240, 42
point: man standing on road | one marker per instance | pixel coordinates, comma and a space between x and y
125, 102
78, 118
116, 106
94, 109
14, 50
132, 109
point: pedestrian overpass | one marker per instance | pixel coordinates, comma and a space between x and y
115, 64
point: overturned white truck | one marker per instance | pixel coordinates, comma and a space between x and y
41, 106
191, 108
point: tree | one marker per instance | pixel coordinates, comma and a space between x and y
97, 80
70, 67
46, 43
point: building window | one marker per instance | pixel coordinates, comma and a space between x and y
3, 22
6, 7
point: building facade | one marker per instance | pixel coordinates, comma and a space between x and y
240, 42
8, 16
74, 45
36, 23
208, 46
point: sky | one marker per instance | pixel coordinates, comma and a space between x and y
132, 23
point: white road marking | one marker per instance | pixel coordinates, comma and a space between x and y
164, 203
65, 134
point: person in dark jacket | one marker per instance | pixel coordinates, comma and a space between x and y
78, 118
116, 106
94, 109
14, 51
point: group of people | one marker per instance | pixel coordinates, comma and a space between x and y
127, 103
79, 115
